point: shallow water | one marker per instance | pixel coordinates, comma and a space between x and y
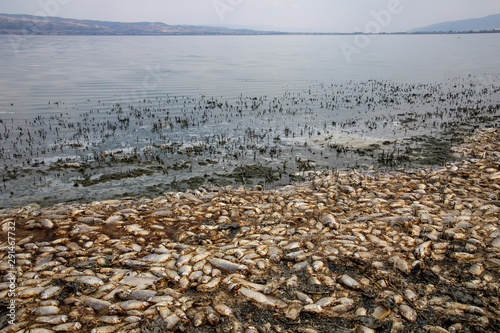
176, 108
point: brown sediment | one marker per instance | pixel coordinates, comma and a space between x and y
115, 176
414, 251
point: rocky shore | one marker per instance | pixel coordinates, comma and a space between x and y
413, 251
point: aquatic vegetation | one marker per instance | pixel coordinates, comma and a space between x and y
177, 142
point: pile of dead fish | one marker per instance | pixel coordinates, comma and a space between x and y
413, 251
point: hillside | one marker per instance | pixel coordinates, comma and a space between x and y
487, 23
32, 25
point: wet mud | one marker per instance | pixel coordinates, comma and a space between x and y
171, 142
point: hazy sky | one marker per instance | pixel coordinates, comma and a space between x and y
299, 15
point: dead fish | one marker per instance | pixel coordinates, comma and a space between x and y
199, 257
409, 313
306, 330
466, 307
142, 295
435, 329
380, 312
197, 275
326, 301
173, 275
46, 310
14, 328
300, 265
292, 312
462, 255
313, 308
455, 328
297, 255
90, 281
262, 250
303, 297
68, 327
46, 223
172, 293
53, 320
134, 319
183, 283
349, 282
162, 299
275, 254
223, 309
96, 304
234, 326
183, 260
112, 294
163, 311
30, 292
342, 308
292, 282
135, 263
209, 286
185, 270
132, 305
45, 266
113, 219
110, 319
172, 321
157, 258
292, 246
105, 329
135, 281
212, 316
318, 265
227, 265
36, 330
330, 221
50, 292
410, 294
106, 288
402, 265
477, 269
423, 250
197, 316
271, 287
262, 299
209, 270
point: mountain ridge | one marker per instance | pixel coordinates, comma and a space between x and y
486, 23
21, 24
36, 25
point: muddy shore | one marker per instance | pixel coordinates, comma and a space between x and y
95, 150
343, 251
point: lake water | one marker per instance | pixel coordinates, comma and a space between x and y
176, 108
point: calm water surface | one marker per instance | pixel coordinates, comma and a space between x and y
235, 93
70, 69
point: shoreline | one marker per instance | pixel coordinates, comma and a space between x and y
356, 152
387, 252
103, 149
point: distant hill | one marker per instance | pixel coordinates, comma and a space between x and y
34, 25
487, 23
